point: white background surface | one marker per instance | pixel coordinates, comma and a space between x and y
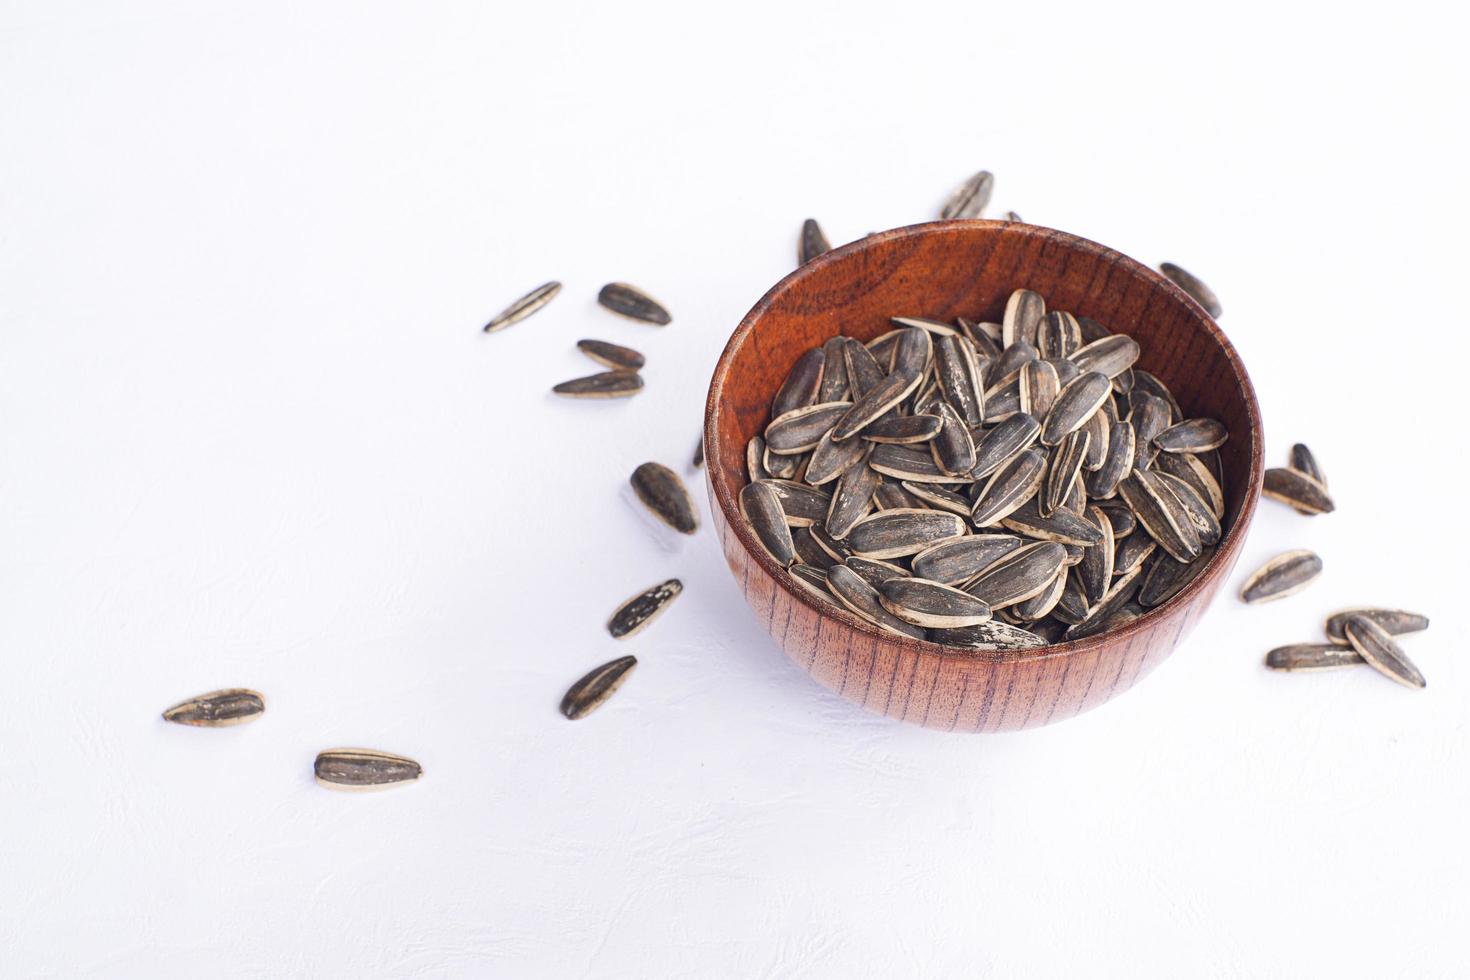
250, 434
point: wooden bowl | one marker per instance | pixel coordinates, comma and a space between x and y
968, 268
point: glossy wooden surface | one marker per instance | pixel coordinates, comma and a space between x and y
968, 268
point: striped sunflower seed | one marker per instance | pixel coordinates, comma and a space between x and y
784, 467
1110, 356
634, 303
1099, 429
698, 460
911, 463
939, 498
896, 533
1297, 489
218, 709
903, 429
836, 548
1075, 404
1150, 417
1058, 335
1118, 463
524, 307
615, 357
663, 493
813, 580
1190, 469
1164, 577
831, 459
608, 384
1100, 617
1003, 443
936, 327
957, 370
1022, 320
1284, 575
957, 560
1199, 513
800, 429
1019, 575
1395, 622
813, 242
1161, 515
1123, 520
755, 459
864, 373
802, 504
853, 498
952, 448
1061, 526
990, 635
932, 604
1192, 436
1063, 470
875, 571
1010, 487
1042, 603
1095, 571
596, 686
762, 510
891, 495
1132, 552
636, 613
801, 386
808, 552
856, 594
363, 769
1039, 387
910, 358
1377, 647
833, 386
1149, 385
1196, 289
969, 199
1303, 461
1313, 656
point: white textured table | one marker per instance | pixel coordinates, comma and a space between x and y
251, 435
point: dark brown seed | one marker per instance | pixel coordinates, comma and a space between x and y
524, 307
1192, 436
889, 392
813, 242
633, 303
663, 493
990, 635
1019, 575
360, 769
1313, 656
891, 495
1161, 515
911, 463
1297, 489
896, 533
698, 460
1123, 383
1206, 525
762, 509
595, 687
1023, 315
1378, 648
1190, 469
1395, 622
832, 459
1111, 355
903, 429
863, 371
852, 499
924, 401
1072, 605
1100, 617
1164, 577
800, 429
1004, 443
613, 356
1039, 387
856, 594
970, 198
982, 336
813, 580
1062, 526
802, 504
1150, 385
1063, 470
940, 498
1008, 366
1197, 290
925, 603
1303, 461
1150, 417
1095, 571
1103, 482
833, 387
608, 384
755, 459
952, 448
802, 385
882, 346
958, 560
875, 571
1044, 602
1091, 329
836, 548
217, 709
1012, 216
957, 370
1003, 401
808, 552
1059, 335
1010, 487
1081, 397
785, 467
636, 613
1284, 575
1100, 431
1132, 552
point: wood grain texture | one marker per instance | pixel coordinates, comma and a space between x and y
968, 268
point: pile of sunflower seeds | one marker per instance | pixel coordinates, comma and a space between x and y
986, 485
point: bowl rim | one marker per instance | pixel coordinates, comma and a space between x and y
1225, 551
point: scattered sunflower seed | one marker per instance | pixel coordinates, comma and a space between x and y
1297, 489
595, 687
663, 493
762, 510
1284, 575
1312, 656
633, 303
970, 198
1377, 647
217, 709
1392, 621
608, 384
361, 769
1192, 436
636, 613
1196, 289
524, 307
615, 357
813, 242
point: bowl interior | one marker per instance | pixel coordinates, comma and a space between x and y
969, 268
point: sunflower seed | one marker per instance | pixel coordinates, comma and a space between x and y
1303, 461
698, 460
596, 686
1022, 319
892, 496
990, 635
524, 307
958, 560
1161, 515
802, 385
1099, 617
612, 356
1062, 526
783, 467
1003, 443
936, 327
1003, 401
1164, 577
1189, 468
633, 303
1284, 575
1302, 492
832, 459
1150, 417
1197, 290
911, 463
925, 603
1072, 605
939, 498
608, 384
1010, 487
1081, 397
903, 429
1376, 646
969, 199
1192, 436
1058, 335
808, 552
1132, 552
800, 429
924, 401
982, 336
762, 510
1019, 575
889, 392
957, 370
1042, 603
1099, 429
863, 371
875, 571
952, 448
833, 381
755, 459
1039, 387
1392, 621
1012, 216
1123, 520
813, 242
1312, 656
1206, 525
803, 505
1110, 355
1095, 571
813, 580
361, 769
896, 533
636, 613
881, 347
663, 493
836, 548
1063, 470
217, 709
856, 594
852, 499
